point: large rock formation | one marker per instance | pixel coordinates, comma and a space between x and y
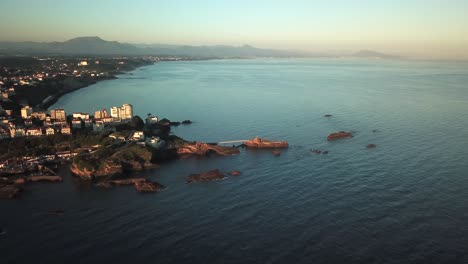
263, 143
128, 158
89, 172
339, 135
202, 149
44, 178
207, 176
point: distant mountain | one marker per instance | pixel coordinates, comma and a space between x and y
372, 54
76, 46
98, 46
217, 51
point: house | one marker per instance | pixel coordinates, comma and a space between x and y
59, 123
4, 133
98, 126
28, 122
76, 123
39, 115
49, 131
17, 132
138, 136
151, 120
117, 136
107, 119
83, 63
66, 154
65, 130
101, 113
58, 114
88, 122
34, 132
26, 112
80, 115
155, 142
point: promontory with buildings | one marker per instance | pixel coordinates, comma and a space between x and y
104, 146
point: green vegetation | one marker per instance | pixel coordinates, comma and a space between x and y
49, 145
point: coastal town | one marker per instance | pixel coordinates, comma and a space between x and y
103, 147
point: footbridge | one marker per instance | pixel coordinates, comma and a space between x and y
242, 141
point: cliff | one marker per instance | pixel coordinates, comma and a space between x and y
89, 172
128, 158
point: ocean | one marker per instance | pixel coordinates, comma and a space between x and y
405, 201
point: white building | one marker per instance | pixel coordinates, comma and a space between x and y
34, 132
58, 114
151, 120
101, 114
124, 112
50, 131
115, 112
82, 116
26, 112
138, 135
39, 115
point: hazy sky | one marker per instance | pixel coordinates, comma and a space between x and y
418, 27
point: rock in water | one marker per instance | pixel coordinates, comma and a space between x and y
235, 173
207, 176
148, 186
263, 143
371, 146
203, 149
339, 135
328, 115
9, 191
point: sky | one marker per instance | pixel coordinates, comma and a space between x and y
431, 28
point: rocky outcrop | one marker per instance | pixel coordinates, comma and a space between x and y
328, 115
148, 186
20, 181
212, 175
90, 172
9, 190
128, 158
140, 184
371, 146
318, 151
339, 135
44, 178
203, 149
235, 173
263, 143
128, 181
187, 122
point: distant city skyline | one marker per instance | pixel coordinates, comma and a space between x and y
431, 28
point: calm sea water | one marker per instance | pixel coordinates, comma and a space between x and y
404, 202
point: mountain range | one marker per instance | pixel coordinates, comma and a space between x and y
98, 46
